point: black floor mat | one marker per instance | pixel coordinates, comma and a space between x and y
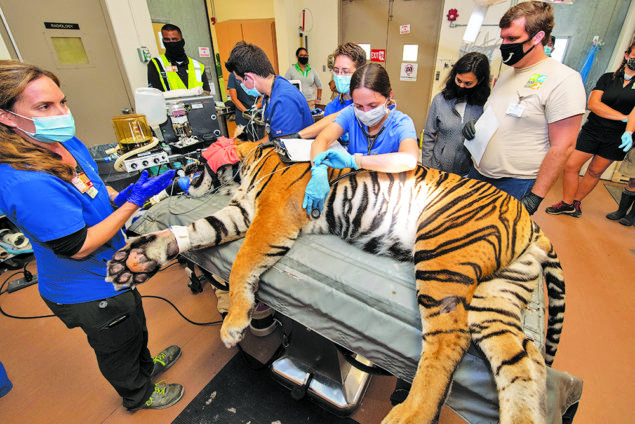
239, 394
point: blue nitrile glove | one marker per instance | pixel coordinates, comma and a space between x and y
122, 197
146, 187
336, 159
627, 141
316, 190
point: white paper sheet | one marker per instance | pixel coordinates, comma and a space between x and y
486, 126
299, 150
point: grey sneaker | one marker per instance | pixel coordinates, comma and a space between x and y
165, 360
164, 396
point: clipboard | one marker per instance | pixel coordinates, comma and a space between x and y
298, 150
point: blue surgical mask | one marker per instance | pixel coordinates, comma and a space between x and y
548, 50
373, 116
51, 129
342, 83
250, 91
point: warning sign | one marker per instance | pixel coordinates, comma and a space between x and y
408, 72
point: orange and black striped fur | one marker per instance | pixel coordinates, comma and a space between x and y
477, 254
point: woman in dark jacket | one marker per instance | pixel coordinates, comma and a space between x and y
462, 99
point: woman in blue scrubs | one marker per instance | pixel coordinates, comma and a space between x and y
348, 58
53, 194
381, 138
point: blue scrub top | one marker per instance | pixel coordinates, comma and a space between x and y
289, 108
46, 208
335, 106
398, 127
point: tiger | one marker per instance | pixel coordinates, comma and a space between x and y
478, 256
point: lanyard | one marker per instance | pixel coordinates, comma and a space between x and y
370, 139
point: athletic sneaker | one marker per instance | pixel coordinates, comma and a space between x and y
565, 208
164, 396
165, 360
578, 207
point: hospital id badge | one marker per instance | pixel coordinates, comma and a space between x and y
84, 185
515, 109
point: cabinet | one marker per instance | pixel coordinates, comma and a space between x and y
261, 32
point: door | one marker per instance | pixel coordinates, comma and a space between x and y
72, 39
261, 32
377, 23
228, 33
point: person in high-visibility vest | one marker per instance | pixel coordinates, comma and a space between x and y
174, 70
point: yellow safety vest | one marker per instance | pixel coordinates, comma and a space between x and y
195, 71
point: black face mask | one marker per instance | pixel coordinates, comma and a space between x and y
462, 92
303, 60
513, 53
174, 51
631, 63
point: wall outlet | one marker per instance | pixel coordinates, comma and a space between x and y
21, 283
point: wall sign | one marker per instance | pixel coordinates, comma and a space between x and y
203, 52
377, 55
60, 25
404, 29
408, 72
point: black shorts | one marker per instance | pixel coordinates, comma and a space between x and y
605, 146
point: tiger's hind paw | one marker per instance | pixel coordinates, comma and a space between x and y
140, 259
233, 329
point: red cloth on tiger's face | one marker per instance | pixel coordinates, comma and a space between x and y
223, 152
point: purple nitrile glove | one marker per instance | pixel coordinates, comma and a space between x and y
146, 187
122, 197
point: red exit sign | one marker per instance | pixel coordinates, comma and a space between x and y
377, 55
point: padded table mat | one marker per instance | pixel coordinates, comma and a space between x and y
361, 301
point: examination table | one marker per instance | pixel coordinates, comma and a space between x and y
364, 303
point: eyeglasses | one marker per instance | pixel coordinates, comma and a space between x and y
342, 72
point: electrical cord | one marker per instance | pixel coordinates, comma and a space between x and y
179, 312
2, 291
2, 311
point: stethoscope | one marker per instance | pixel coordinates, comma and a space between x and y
371, 139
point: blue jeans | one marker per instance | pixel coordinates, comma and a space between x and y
515, 187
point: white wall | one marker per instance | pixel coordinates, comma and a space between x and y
226, 10
132, 26
4, 52
321, 23
624, 39
450, 39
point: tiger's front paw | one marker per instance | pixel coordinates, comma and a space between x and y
404, 414
140, 259
233, 329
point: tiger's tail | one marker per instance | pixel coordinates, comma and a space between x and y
554, 278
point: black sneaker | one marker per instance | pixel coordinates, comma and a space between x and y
564, 208
165, 360
164, 396
578, 208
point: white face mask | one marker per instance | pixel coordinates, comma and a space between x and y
373, 116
